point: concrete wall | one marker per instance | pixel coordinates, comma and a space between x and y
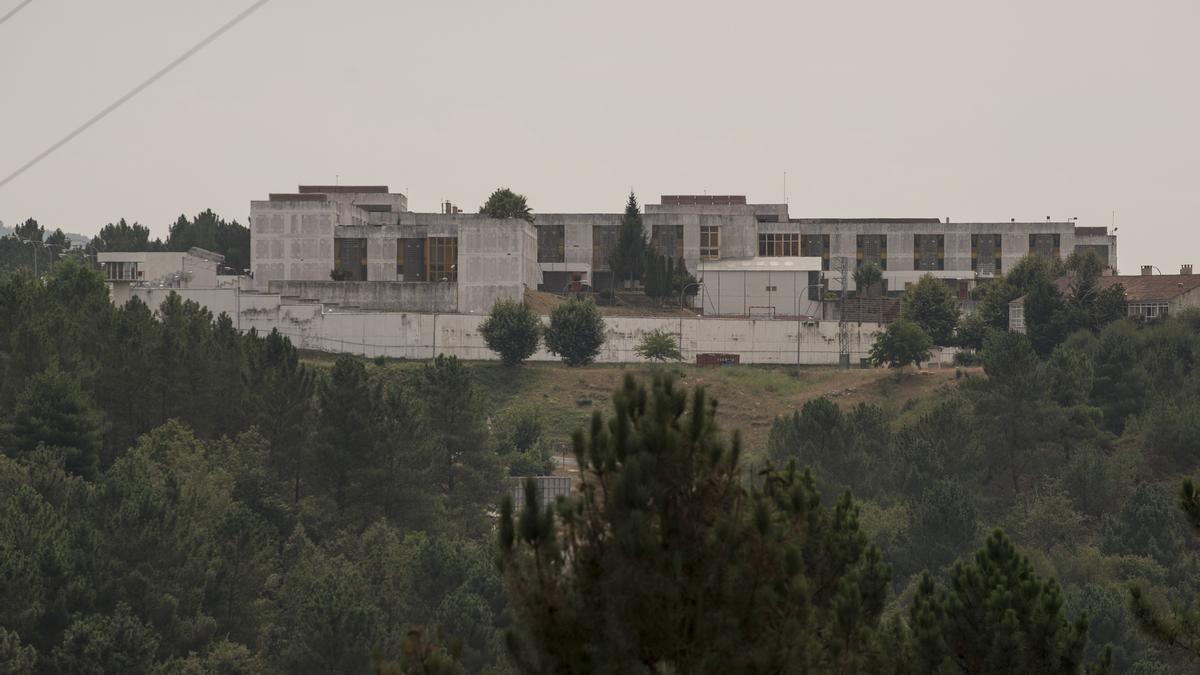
293, 240
422, 336
414, 296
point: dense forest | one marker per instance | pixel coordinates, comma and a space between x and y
178, 497
31, 241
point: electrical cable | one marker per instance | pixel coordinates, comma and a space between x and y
135, 91
14, 10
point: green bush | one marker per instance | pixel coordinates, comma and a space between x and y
576, 332
512, 330
659, 345
900, 344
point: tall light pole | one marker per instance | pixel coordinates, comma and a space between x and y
35, 243
682, 292
808, 292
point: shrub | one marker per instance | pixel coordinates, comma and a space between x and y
512, 330
659, 346
901, 343
576, 332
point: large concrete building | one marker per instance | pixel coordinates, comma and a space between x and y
384, 256
751, 258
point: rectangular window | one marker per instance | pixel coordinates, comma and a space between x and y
779, 244
1100, 250
350, 256
929, 252
400, 260
816, 246
668, 239
985, 254
710, 242
1044, 245
551, 244
604, 241
1148, 310
414, 258
121, 271
1016, 318
872, 249
443, 258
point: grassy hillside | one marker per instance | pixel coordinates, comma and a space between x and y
749, 397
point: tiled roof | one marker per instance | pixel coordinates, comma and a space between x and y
1142, 287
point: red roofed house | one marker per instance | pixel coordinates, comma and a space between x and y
1148, 295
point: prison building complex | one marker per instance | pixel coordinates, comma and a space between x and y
360, 246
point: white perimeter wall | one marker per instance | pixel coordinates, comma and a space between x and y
422, 336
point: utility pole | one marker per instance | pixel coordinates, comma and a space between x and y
842, 264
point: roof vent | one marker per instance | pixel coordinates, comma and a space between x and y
1185, 269
1147, 270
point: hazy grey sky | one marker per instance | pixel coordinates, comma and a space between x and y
967, 110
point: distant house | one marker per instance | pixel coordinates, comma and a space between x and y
194, 269
1147, 295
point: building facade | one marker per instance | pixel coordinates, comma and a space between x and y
197, 268
396, 259
359, 246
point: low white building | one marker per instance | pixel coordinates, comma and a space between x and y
196, 269
761, 287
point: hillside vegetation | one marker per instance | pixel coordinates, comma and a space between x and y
178, 497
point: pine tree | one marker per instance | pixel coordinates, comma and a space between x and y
1179, 626
997, 616
465, 468
55, 411
628, 259
667, 562
345, 413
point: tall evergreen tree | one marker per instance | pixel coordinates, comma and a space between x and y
628, 259
466, 469
122, 236
665, 562
280, 402
997, 616
1012, 404
55, 411
345, 410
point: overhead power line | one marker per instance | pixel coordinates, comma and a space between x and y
14, 10
136, 90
